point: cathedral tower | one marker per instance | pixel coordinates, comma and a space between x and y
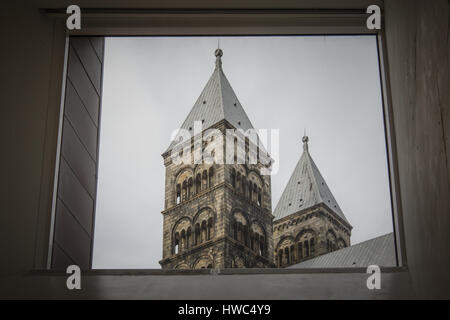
216, 215
308, 221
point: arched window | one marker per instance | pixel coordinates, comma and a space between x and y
255, 193
182, 241
306, 245
240, 232
331, 241
188, 238
235, 229
190, 187
197, 239
210, 228
198, 183
178, 197
299, 251
262, 245
204, 232
204, 180
259, 197
280, 258
250, 194
253, 240
211, 177
292, 253
286, 253
184, 191
311, 246
176, 244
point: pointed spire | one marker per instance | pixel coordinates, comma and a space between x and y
306, 188
216, 102
305, 140
218, 53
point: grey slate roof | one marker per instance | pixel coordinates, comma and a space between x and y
306, 188
216, 102
379, 251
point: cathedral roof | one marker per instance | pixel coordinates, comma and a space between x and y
306, 188
379, 251
216, 102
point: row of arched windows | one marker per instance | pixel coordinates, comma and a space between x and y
334, 243
186, 239
246, 187
253, 240
296, 252
188, 189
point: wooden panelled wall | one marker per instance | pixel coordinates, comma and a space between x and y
77, 182
418, 45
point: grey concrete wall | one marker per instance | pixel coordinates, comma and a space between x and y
31, 64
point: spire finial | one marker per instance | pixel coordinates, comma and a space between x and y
305, 140
218, 53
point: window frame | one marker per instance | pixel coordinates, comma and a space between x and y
250, 22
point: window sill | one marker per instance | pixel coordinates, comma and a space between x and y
226, 271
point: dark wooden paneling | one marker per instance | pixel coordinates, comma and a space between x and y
97, 44
77, 157
60, 259
71, 238
75, 196
83, 85
79, 118
77, 184
89, 59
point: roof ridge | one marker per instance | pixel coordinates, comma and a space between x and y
291, 178
313, 176
220, 72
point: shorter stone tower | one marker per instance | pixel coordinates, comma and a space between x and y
308, 221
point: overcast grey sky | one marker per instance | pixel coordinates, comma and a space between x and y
327, 85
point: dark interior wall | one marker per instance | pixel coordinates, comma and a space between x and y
32, 51
417, 45
417, 36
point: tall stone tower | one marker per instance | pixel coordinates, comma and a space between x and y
216, 215
308, 221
